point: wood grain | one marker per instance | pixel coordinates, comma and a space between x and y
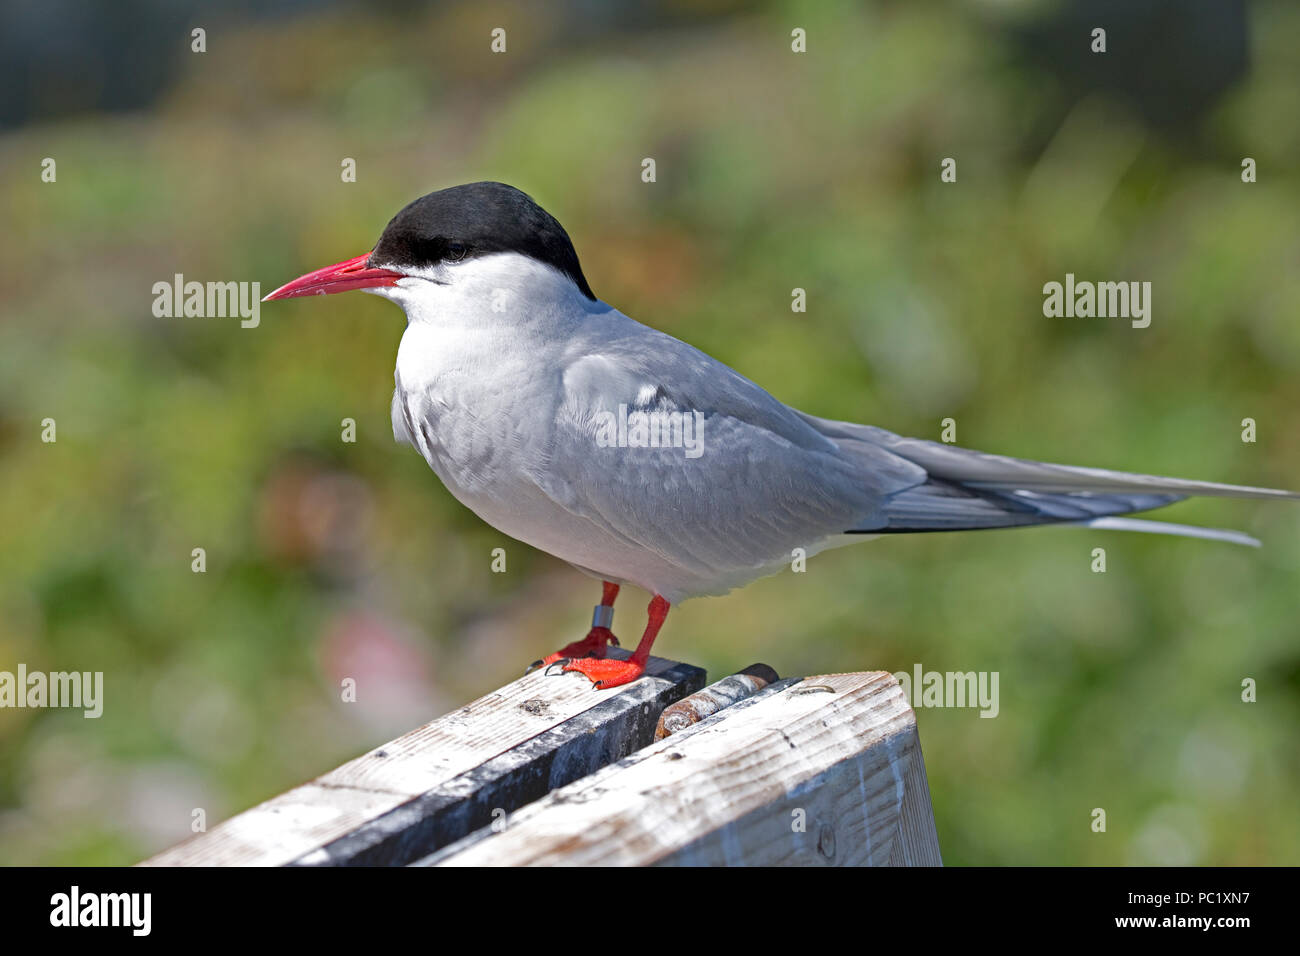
439, 782
824, 771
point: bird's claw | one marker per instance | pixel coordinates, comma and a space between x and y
595, 644
605, 673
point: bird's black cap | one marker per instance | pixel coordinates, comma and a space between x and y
477, 219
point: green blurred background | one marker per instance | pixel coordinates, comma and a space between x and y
775, 170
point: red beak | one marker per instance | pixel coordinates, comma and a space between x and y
343, 277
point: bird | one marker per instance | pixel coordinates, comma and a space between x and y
643, 461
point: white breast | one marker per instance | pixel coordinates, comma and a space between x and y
477, 384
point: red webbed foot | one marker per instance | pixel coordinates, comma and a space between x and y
606, 672
599, 638
595, 645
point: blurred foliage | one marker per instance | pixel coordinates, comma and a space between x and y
327, 559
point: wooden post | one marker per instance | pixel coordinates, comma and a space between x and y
826, 770
823, 770
440, 782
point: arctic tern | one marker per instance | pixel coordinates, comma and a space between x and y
511, 372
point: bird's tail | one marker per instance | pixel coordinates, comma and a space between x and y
1168, 527
969, 490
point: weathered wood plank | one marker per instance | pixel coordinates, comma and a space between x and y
441, 781
918, 843
821, 771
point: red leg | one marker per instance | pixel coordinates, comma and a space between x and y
605, 673
596, 641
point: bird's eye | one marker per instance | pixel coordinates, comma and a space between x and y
455, 251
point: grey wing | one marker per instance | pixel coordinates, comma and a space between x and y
764, 481
968, 490
769, 478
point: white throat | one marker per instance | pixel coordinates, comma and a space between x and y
484, 324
